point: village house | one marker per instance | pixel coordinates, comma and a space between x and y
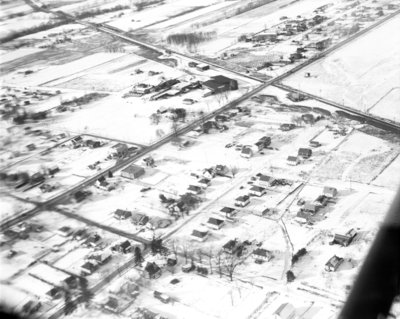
304, 153
121, 214
200, 234
246, 152
120, 150
152, 271
202, 67
101, 257
314, 143
81, 234
204, 182
261, 254
321, 200
65, 231
311, 207
215, 223
209, 173
293, 160
333, 263
287, 127
123, 247
330, 192
265, 180
194, 189
302, 216
242, 201
112, 304
257, 191
229, 213
31, 147
285, 311
220, 83
92, 241
89, 268
132, 171
344, 239
221, 170
53, 170
233, 246
93, 144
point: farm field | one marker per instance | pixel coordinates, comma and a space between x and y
350, 78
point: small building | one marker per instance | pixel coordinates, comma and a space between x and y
215, 223
321, 200
101, 257
293, 160
313, 143
204, 182
220, 83
229, 213
81, 234
93, 144
333, 263
246, 152
200, 234
37, 178
123, 247
266, 140
257, 191
266, 180
330, 192
221, 170
304, 152
92, 241
242, 201
192, 64
53, 170
65, 231
121, 214
261, 254
194, 189
132, 171
311, 207
152, 271
344, 239
89, 268
112, 304
31, 147
202, 67
285, 311
140, 219
233, 246
287, 127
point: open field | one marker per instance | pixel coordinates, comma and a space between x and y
350, 78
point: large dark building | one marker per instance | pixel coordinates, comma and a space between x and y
220, 83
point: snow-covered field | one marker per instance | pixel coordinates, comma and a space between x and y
352, 75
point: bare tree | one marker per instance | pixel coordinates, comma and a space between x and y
160, 133
174, 248
185, 251
210, 255
219, 260
231, 263
155, 118
174, 126
200, 255
234, 170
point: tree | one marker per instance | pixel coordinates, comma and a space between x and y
297, 120
138, 256
219, 260
200, 254
234, 170
174, 248
155, 118
231, 263
185, 251
86, 294
210, 255
174, 126
189, 200
156, 245
69, 304
290, 276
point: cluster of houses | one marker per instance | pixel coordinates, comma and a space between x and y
247, 151
78, 141
310, 208
24, 181
302, 154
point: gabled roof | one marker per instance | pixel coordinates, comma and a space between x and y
247, 150
257, 189
227, 210
231, 244
292, 159
243, 198
215, 221
261, 252
199, 233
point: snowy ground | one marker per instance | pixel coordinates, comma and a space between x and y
350, 78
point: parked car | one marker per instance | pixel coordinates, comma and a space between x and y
162, 297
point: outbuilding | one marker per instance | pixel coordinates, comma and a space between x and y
132, 171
